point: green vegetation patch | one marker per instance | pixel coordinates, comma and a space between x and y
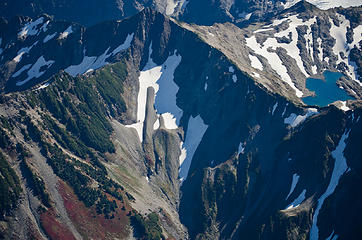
147, 228
9, 188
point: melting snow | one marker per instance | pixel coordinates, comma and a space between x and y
65, 34
25, 67
325, 4
273, 59
125, 45
195, 131
263, 30
160, 78
320, 50
297, 201
274, 107
235, 79
23, 51
257, 75
255, 62
94, 62
292, 48
49, 37
156, 125
241, 148
43, 86
165, 101
34, 71
294, 120
344, 106
182, 156
332, 236
245, 15
169, 120
30, 28
294, 183
340, 167
339, 34
170, 7
44, 28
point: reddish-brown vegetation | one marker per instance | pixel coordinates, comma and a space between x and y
91, 225
54, 228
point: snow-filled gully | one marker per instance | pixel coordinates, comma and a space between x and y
161, 79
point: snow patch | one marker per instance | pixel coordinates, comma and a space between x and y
156, 125
195, 132
182, 156
320, 50
294, 120
125, 45
245, 15
165, 99
297, 201
25, 67
205, 86
273, 59
257, 75
339, 34
160, 78
241, 148
344, 106
30, 28
169, 120
235, 78
274, 107
263, 30
294, 183
44, 28
34, 71
231, 69
23, 51
255, 62
95, 62
49, 37
325, 4
332, 236
65, 34
43, 86
340, 167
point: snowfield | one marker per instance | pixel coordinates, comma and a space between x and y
294, 183
66, 32
326, 4
273, 60
294, 120
49, 37
34, 71
195, 132
95, 62
340, 167
297, 201
30, 28
255, 62
160, 78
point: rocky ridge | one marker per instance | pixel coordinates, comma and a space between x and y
221, 141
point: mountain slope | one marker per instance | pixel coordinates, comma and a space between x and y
148, 127
299, 43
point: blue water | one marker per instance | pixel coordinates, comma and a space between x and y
326, 90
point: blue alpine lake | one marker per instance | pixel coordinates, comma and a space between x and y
326, 90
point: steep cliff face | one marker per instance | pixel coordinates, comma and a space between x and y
143, 116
